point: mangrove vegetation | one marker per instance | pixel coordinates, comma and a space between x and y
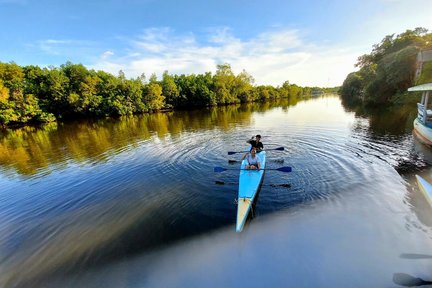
32, 94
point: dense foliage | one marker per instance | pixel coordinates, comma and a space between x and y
33, 94
389, 69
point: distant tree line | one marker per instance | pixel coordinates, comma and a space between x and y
389, 69
31, 94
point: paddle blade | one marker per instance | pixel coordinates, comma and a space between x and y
219, 169
281, 185
284, 169
280, 148
231, 152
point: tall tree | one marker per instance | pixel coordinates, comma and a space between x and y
169, 89
389, 69
224, 80
153, 98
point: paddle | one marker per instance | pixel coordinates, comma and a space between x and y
272, 185
272, 160
408, 280
232, 152
281, 169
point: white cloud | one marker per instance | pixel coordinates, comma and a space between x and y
221, 35
271, 58
63, 47
106, 55
51, 46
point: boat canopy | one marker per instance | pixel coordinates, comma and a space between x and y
424, 114
423, 87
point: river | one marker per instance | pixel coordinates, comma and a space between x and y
134, 202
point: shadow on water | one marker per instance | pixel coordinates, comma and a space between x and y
80, 244
407, 280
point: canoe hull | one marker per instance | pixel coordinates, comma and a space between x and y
422, 132
249, 184
426, 188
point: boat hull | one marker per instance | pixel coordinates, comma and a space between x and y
426, 188
422, 132
249, 184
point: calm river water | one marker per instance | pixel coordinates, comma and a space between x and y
133, 202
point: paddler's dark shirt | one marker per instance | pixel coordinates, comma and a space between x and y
258, 145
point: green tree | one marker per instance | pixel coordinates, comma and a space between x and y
7, 111
153, 98
12, 76
4, 92
33, 77
76, 73
169, 89
224, 81
389, 69
243, 87
203, 91
263, 93
54, 95
85, 100
186, 90
352, 86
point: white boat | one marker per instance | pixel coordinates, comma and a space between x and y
249, 184
423, 122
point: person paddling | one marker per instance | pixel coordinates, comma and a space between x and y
255, 141
253, 161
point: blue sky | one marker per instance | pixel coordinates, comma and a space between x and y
309, 43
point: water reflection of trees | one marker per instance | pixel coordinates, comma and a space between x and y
395, 120
30, 150
387, 132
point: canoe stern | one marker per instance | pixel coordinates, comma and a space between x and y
243, 208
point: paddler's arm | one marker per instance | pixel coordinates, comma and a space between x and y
251, 140
244, 156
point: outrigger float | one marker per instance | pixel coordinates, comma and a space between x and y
423, 122
425, 188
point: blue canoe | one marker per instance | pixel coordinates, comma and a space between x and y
249, 183
426, 188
